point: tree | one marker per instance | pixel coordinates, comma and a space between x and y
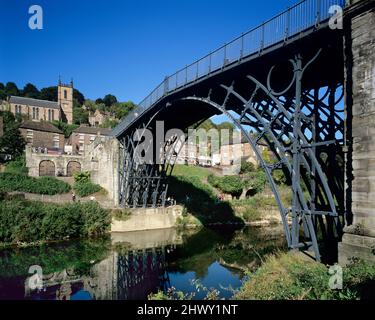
11, 142
49, 93
80, 116
2, 87
109, 100
11, 89
122, 109
30, 91
99, 101
79, 97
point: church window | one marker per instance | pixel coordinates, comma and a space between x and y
65, 94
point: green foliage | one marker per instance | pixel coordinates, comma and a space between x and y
82, 177
80, 115
49, 93
228, 184
65, 127
26, 221
109, 123
83, 186
279, 177
17, 166
121, 215
247, 167
84, 189
44, 185
11, 142
11, 89
109, 100
255, 181
30, 91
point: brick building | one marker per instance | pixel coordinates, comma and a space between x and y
42, 135
84, 136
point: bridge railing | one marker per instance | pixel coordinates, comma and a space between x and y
291, 22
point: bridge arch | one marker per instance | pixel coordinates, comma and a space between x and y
299, 123
73, 167
47, 168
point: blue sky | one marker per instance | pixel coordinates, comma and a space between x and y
118, 46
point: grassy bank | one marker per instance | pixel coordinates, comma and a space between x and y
32, 222
197, 190
292, 276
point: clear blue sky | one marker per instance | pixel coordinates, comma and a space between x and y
118, 46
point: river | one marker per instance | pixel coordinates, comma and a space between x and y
133, 265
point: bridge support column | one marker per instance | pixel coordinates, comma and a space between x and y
359, 238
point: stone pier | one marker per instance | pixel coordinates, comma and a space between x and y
359, 27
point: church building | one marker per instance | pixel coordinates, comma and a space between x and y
43, 110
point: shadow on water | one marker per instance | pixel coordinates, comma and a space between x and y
200, 201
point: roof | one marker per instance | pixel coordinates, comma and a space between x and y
40, 126
93, 130
34, 102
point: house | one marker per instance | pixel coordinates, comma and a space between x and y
84, 136
239, 148
44, 110
97, 118
42, 135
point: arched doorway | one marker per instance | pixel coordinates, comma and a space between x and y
46, 168
73, 167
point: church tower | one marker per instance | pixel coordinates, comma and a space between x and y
65, 101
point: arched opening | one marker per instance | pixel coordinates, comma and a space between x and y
72, 168
47, 168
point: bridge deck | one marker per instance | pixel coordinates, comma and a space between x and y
275, 35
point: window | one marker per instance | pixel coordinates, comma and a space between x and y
18, 109
53, 115
29, 136
56, 141
49, 115
65, 94
34, 113
37, 113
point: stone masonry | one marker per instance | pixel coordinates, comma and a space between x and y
359, 237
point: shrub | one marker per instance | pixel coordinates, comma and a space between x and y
17, 166
247, 167
229, 184
29, 221
45, 185
82, 176
84, 189
255, 181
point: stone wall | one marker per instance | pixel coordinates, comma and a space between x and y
359, 239
148, 219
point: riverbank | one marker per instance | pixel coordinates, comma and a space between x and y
32, 222
293, 276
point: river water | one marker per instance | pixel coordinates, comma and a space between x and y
133, 265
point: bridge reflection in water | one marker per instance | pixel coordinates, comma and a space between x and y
135, 267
